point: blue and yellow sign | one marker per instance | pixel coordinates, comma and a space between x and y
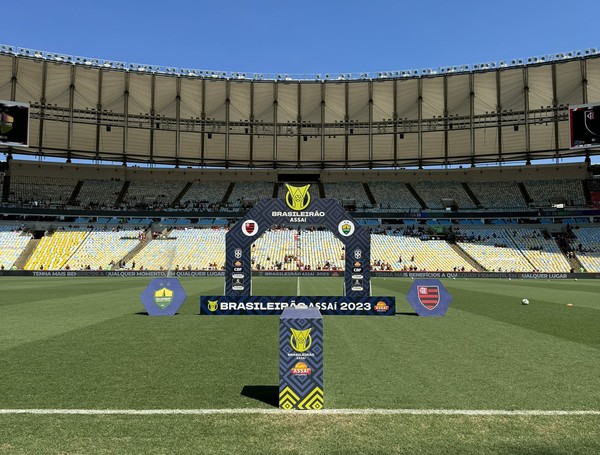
429, 298
260, 305
163, 297
301, 359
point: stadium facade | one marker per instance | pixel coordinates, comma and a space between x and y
95, 109
409, 153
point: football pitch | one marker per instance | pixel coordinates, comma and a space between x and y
84, 369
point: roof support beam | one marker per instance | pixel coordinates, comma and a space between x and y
299, 127
203, 118
227, 108
395, 117
275, 107
177, 121
42, 108
472, 118
71, 104
526, 113
126, 118
322, 124
370, 124
555, 112
499, 116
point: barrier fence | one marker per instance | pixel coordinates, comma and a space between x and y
218, 273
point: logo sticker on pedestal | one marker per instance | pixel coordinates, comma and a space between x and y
429, 298
163, 297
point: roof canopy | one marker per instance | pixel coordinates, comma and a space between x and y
138, 115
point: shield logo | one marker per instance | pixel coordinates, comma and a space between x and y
346, 228
250, 227
163, 297
429, 296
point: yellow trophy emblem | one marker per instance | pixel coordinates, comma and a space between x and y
297, 197
300, 340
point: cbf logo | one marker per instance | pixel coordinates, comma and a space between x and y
163, 298
300, 340
297, 197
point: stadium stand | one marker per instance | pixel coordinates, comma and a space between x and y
103, 249
513, 250
320, 250
12, 243
205, 195
245, 194
99, 193
41, 191
542, 252
55, 249
544, 192
344, 191
393, 195
434, 192
493, 249
184, 249
152, 195
586, 247
498, 195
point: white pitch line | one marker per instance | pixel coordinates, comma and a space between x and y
366, 411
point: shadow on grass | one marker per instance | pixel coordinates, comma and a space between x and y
268, 394
145, 313
407, 314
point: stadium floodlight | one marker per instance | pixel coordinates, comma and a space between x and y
59, 57
7, 49
87, 61
591, 51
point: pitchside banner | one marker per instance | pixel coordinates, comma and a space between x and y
301, 359
231, 305
298, 208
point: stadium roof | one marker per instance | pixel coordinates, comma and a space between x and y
112, 111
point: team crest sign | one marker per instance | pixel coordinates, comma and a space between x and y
429, 298
163, 297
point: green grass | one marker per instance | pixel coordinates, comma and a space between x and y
87, 343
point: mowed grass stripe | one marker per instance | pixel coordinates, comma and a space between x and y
462, 361
300, 434
547, 312
54, 311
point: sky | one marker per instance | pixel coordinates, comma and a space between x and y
305, 37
